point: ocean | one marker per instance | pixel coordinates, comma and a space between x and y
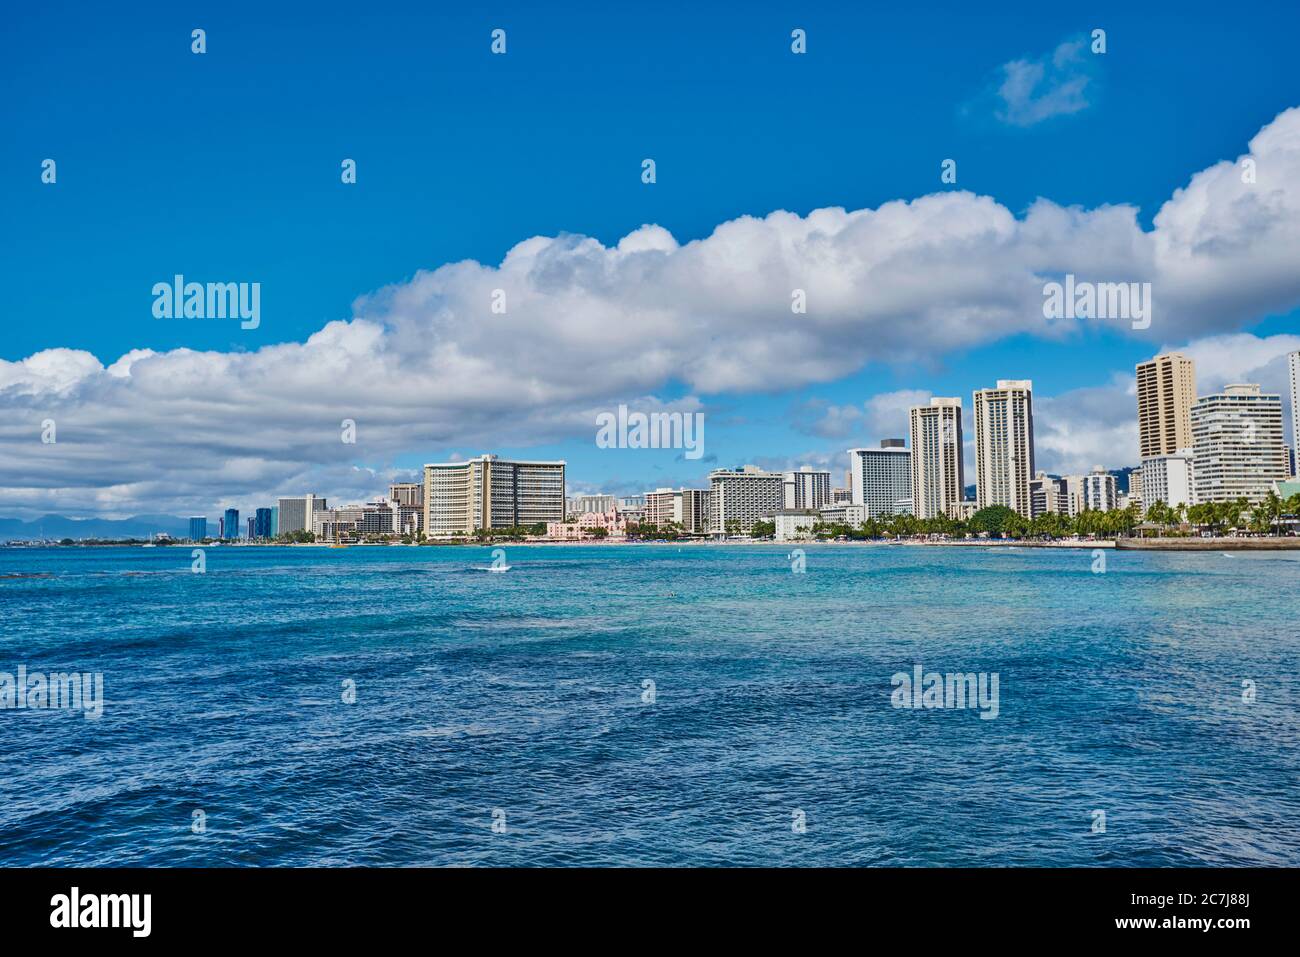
652, 705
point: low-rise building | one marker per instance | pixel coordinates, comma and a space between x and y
844, 514
588, 525
794, 524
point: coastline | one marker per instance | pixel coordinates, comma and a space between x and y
1283, 543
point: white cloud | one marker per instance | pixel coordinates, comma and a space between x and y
426, 364
1054, 85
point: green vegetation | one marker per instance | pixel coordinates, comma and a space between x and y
512, 533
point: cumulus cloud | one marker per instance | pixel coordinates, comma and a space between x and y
427, 364
884, 415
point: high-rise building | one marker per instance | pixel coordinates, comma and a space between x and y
198, 528
262, 523
659, 507
1004, 445
231, 524
742, 497
880, 478
807, 488
1100, 493
687, 508
1166, 390
938, 469
275, 521
1293, 367
1237, 444
491, 492
251, 526
1168, 479
297, 514
407, 493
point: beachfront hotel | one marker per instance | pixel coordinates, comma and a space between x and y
298, 514
407, 494
1166, 391
1100, 491
1169, 479
881, 479
938, 469
1237, 444
687, 508
807, 488
590, 502
491, 492
741, 497
1004, 445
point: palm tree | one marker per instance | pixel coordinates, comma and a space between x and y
1272, 506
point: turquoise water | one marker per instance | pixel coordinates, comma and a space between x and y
522, 694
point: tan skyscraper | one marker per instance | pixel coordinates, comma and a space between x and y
1004, 445
1166, 390
938, 473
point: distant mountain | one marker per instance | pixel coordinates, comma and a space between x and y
59, 526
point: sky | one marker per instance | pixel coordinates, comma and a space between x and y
522, 171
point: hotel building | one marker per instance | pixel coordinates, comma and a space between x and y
1168, 479
1100, 491
844, 514
938, 470
491, 492
297, 514
198, 528
742, 497
1047, 496
1237, 444
795, 524
807, 488
881, 479
230, 524
583, 526
687, 508
1166, 391
1004, 445
407, 493
581, 504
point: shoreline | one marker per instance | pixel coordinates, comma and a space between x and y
1282, 543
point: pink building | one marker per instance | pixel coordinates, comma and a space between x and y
579, 530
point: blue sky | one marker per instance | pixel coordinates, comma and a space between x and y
225, 166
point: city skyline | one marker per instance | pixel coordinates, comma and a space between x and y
940, 485
1218, 447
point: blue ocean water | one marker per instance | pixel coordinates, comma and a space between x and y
520, 697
